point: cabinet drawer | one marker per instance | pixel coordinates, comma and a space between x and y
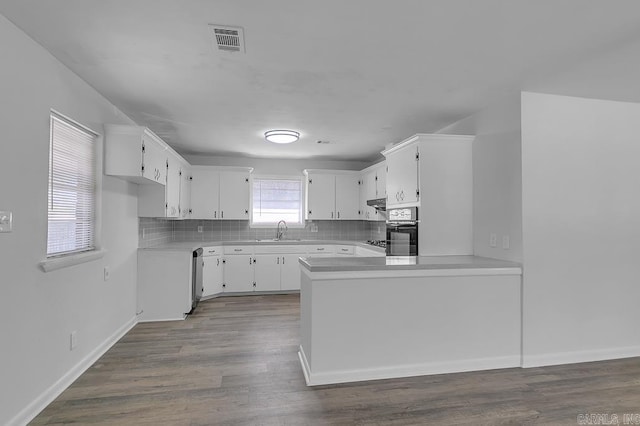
211, 251
238, 250
345, 250
321, 249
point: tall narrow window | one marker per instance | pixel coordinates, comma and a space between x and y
277, 199
72, 188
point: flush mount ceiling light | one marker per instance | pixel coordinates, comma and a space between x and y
282, 136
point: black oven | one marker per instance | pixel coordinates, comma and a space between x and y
402, 232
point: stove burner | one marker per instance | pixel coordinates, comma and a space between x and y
378, 243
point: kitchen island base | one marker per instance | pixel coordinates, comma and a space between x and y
365, 325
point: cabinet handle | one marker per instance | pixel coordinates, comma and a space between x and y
331, 215
237, 249
338, 215
222, 214
212, 251
215, 214
319, 248
223, 285
254, 260
246, 212
283, 260
254, 284
278, 261
249, 261
344, 249
218, 262
309, 211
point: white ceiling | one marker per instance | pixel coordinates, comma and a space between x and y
357, 73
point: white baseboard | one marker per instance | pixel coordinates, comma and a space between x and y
40, 403
391, 372
576, 357
305, 365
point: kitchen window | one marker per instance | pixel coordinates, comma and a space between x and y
275, 199
71, 201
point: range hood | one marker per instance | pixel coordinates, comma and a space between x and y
378, 204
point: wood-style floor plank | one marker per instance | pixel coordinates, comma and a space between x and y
234, 362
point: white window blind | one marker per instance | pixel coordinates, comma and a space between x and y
72, 186
277, 199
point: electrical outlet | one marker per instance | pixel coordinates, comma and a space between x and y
493, 240
200, 227
107, 273
505, 242
73, 340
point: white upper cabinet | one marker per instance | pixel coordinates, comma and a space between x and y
347, 196
372, 187
234, 194
135, 153
174, 178
138, 155
321, 195
332, 195
381, 180
205, 190
402, 180
220, 193
185, 191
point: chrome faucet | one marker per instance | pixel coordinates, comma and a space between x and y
281, 232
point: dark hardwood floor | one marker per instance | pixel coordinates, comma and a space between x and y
234, 362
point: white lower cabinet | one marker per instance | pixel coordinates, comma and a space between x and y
212, 275
267, 272
290, 271
238, 273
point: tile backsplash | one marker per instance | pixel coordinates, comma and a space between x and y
153, 232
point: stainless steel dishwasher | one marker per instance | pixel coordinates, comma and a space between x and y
196, 278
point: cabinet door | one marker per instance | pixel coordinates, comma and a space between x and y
185, 192
290, 272
234, 195
369, 191
205, 191
321, 196
267, 272
347, 197
154, 159
381, 181
402, 177
173, 187
212, 275
238, 273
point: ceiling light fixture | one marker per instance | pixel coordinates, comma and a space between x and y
282, 136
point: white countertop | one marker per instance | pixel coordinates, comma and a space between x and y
193, 245
389, 263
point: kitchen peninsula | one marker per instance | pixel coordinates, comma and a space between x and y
376, 318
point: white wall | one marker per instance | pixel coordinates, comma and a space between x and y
497, 196
39, 310
267, 166
581, 229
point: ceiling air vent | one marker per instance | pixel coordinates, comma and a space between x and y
230, 39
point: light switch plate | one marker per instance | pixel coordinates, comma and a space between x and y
6, 221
